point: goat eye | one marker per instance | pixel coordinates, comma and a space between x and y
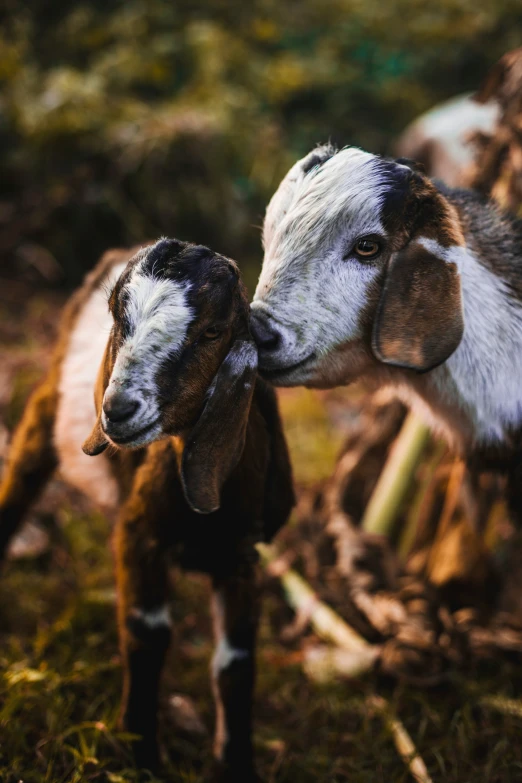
367, 248
211, 333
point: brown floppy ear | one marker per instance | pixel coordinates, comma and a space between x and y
419, 320
216, 443
97, 440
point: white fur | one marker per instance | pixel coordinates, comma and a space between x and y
225, 655
308, 285
486, 368
154, 618
445, 130
482, 380
76, 413
158, 317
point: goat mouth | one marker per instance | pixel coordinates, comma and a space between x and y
137, 435
280, 372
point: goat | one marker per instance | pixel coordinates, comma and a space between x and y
373, 271
440, 138
192, 456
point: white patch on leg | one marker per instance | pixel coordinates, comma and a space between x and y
76, 414
225, 655
153, 618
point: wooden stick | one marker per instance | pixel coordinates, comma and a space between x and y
503, 704
325, 622
403, 741
396, 477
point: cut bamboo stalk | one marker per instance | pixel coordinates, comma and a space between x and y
403, 741
396, 477
421, 505
325, 622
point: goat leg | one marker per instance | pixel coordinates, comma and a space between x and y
235, 609
144, 629
31, 462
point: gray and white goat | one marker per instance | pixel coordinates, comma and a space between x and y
373, 271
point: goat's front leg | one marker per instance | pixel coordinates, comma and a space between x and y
235, 605
144, 628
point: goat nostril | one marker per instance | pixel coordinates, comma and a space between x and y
119, 408
264, 335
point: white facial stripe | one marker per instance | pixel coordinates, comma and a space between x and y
153, 618
158, 318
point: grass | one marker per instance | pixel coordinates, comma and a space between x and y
60, 669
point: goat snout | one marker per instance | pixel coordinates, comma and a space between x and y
119, 407
265, 334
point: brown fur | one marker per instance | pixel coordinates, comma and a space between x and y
32, 456
419, 322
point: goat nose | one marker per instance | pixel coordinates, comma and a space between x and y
119, 407
265, 335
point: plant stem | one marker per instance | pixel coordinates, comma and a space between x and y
396, 477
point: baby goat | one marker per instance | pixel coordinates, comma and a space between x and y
191, 454
372, 270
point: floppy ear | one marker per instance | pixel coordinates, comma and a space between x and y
97, 440
216, 443
419, 320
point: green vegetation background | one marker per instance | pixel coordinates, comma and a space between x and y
121, 121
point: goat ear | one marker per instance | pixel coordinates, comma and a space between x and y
97, 440
216, 443
419, 319
413, 165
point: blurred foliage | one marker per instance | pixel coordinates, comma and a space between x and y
126, 120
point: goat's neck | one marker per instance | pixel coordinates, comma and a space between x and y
475, 398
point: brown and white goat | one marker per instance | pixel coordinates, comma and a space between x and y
373, 271
191, 456
440, 138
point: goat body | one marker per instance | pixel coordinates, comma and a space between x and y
203, 434
440, 138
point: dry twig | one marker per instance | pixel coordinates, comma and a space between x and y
403, 741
